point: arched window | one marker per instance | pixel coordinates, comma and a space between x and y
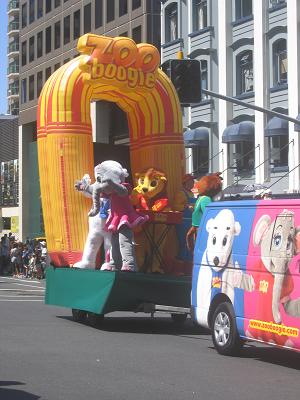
171, 22
244, 71
243, 8
279, 62
199, 14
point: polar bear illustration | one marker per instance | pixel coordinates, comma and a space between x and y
217, 268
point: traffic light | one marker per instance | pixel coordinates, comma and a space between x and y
186, 78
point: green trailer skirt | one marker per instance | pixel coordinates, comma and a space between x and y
102, 292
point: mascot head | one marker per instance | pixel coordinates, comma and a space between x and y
151, 182
209, 185
110, 170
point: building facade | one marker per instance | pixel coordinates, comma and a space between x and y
49, 33
248, 50
13, 57
9, 175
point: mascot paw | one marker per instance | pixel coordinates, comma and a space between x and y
127, 268
83, 265
108, 267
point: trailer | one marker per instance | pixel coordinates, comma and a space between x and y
93, 293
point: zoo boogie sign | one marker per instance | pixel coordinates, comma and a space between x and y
119, 61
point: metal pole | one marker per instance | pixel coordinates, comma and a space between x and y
243, 103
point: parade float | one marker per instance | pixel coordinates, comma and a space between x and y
116, 70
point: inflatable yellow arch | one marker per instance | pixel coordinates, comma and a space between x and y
116, 70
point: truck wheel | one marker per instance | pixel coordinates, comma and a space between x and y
94, 319
179, 319
224, 331
78, 315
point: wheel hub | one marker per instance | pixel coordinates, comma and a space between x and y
222, 329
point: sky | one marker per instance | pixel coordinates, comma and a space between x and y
3, 56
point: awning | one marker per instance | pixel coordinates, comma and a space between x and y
196, 137
242, 132
277, 127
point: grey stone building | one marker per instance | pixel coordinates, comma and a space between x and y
49, 32
248, 50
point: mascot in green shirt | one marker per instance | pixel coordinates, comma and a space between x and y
207, 187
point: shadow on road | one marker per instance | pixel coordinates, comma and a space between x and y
15, 394
270, 355
284, 358
147, 325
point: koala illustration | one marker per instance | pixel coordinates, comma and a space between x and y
217, 268
276, 241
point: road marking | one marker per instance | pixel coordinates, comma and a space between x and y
21, 300
18, 279
22, 284
20, 295
22, 290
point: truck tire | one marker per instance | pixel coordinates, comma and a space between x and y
78, 315
224, 331
94, 320
179, 319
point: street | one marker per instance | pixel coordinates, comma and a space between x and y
45, 355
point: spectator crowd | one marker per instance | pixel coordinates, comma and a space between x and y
23, 260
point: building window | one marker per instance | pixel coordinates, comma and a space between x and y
274, 3
31, 87
200, 160
24, 91
87, 18
31, 10
57, 35
48, 6
110, 10
47, 73
40, 8
39, 83
76, 22
48, 40
24, 53
136, 4
244, 157
279, 151
171, 23
24, 15
39, 44
204, 77
67, 29
98, 13
244, 68
31, 49
199, 14
56, 66
56, 3
122, 7
243, 8
137, 34
66, 60
280, 62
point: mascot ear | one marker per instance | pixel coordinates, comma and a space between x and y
209, 224
237, 228
261, 228
163, 178
137, 175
